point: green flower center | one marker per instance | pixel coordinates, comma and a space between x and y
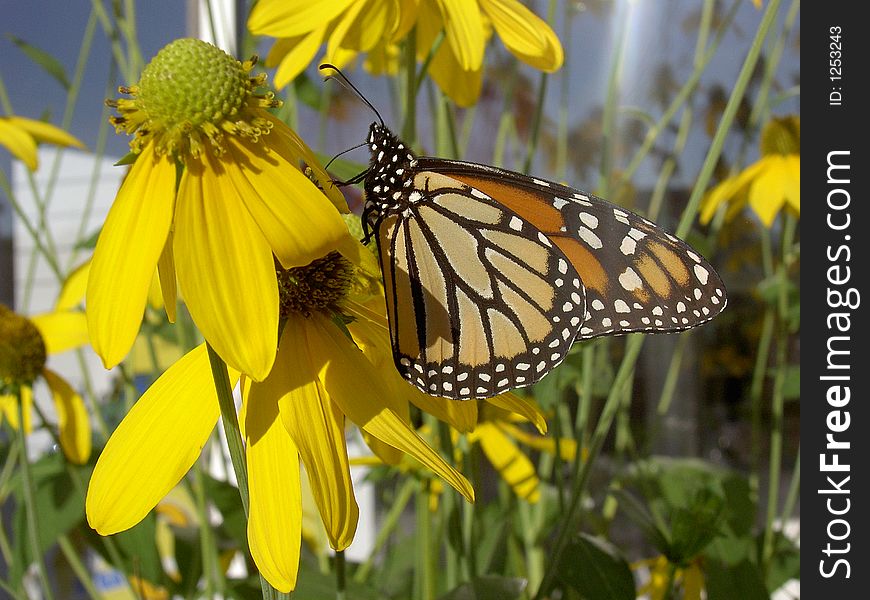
192, 94
782, 136
22, 351
191, 82
318, 286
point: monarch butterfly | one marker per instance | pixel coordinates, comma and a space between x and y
491, 276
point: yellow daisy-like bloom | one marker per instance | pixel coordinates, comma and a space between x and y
241, 198
24, 346
769, 185
297, 413
20, 135
657, 587
376, 26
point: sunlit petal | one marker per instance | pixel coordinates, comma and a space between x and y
354, 387
464, 32
72, 291
514, 467
45, 132
226, 272
525, 407
72, 419
63, 330
9, 408
155, 444
297, 56
525, 34
126, 255
19, 143
288, 18
295, 218
317, 427
167, 285
767, 193
567, 448
275, 519
792, 183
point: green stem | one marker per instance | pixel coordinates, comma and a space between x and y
608, 118
340, 576
409, 126
73, 557
425, 568
210, 563
611, 408
32, 521
391, 522
532, 146
673, 374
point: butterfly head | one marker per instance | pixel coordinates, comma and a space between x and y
389, 177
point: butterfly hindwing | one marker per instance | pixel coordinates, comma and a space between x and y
477, 301
637, 276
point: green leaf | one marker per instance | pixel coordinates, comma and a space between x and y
595, 569
785, 563
739, 582
138, 549
314, 585
127, 159
42, 58
695, 526
488, 587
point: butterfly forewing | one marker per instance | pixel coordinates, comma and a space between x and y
478, 303
637, 276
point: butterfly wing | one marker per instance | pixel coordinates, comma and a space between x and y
637, 277
478, 301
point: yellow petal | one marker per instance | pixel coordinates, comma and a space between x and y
226, 271
525, 407
296, 219
9, 408
72, 419
165, 287
19, 143
275, 519
462, 416
297, 56
525, 34
288, 18
62, 331
288, 144
46, 132
767, 191
514, 467
72, 292
461, 85
155, 444
793, 182
464, 32
567, 448
126, 255
317, 427
353, 385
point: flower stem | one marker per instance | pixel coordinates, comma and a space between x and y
391, 522
73, 557
340, 576
30, 504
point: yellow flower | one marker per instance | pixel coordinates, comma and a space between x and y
376, 26
24, 345
20, 135
657, 587
319, 380
769, 185
241, 198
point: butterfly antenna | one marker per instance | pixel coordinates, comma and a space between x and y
331, 160
343, 80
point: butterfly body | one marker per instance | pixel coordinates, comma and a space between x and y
491, 276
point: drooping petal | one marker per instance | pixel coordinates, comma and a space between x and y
296, 219
514, 467
464, 32
72, 419
288, 18
728, 190
461, 85
525, 407
126, 255
297, 55
9, 408
567, 448
45, 132
167, 285
155, 444
525, 34
19, 143
72, 292
62, 330
793, 181
317, 428
275, 519
354, 387
226, 271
